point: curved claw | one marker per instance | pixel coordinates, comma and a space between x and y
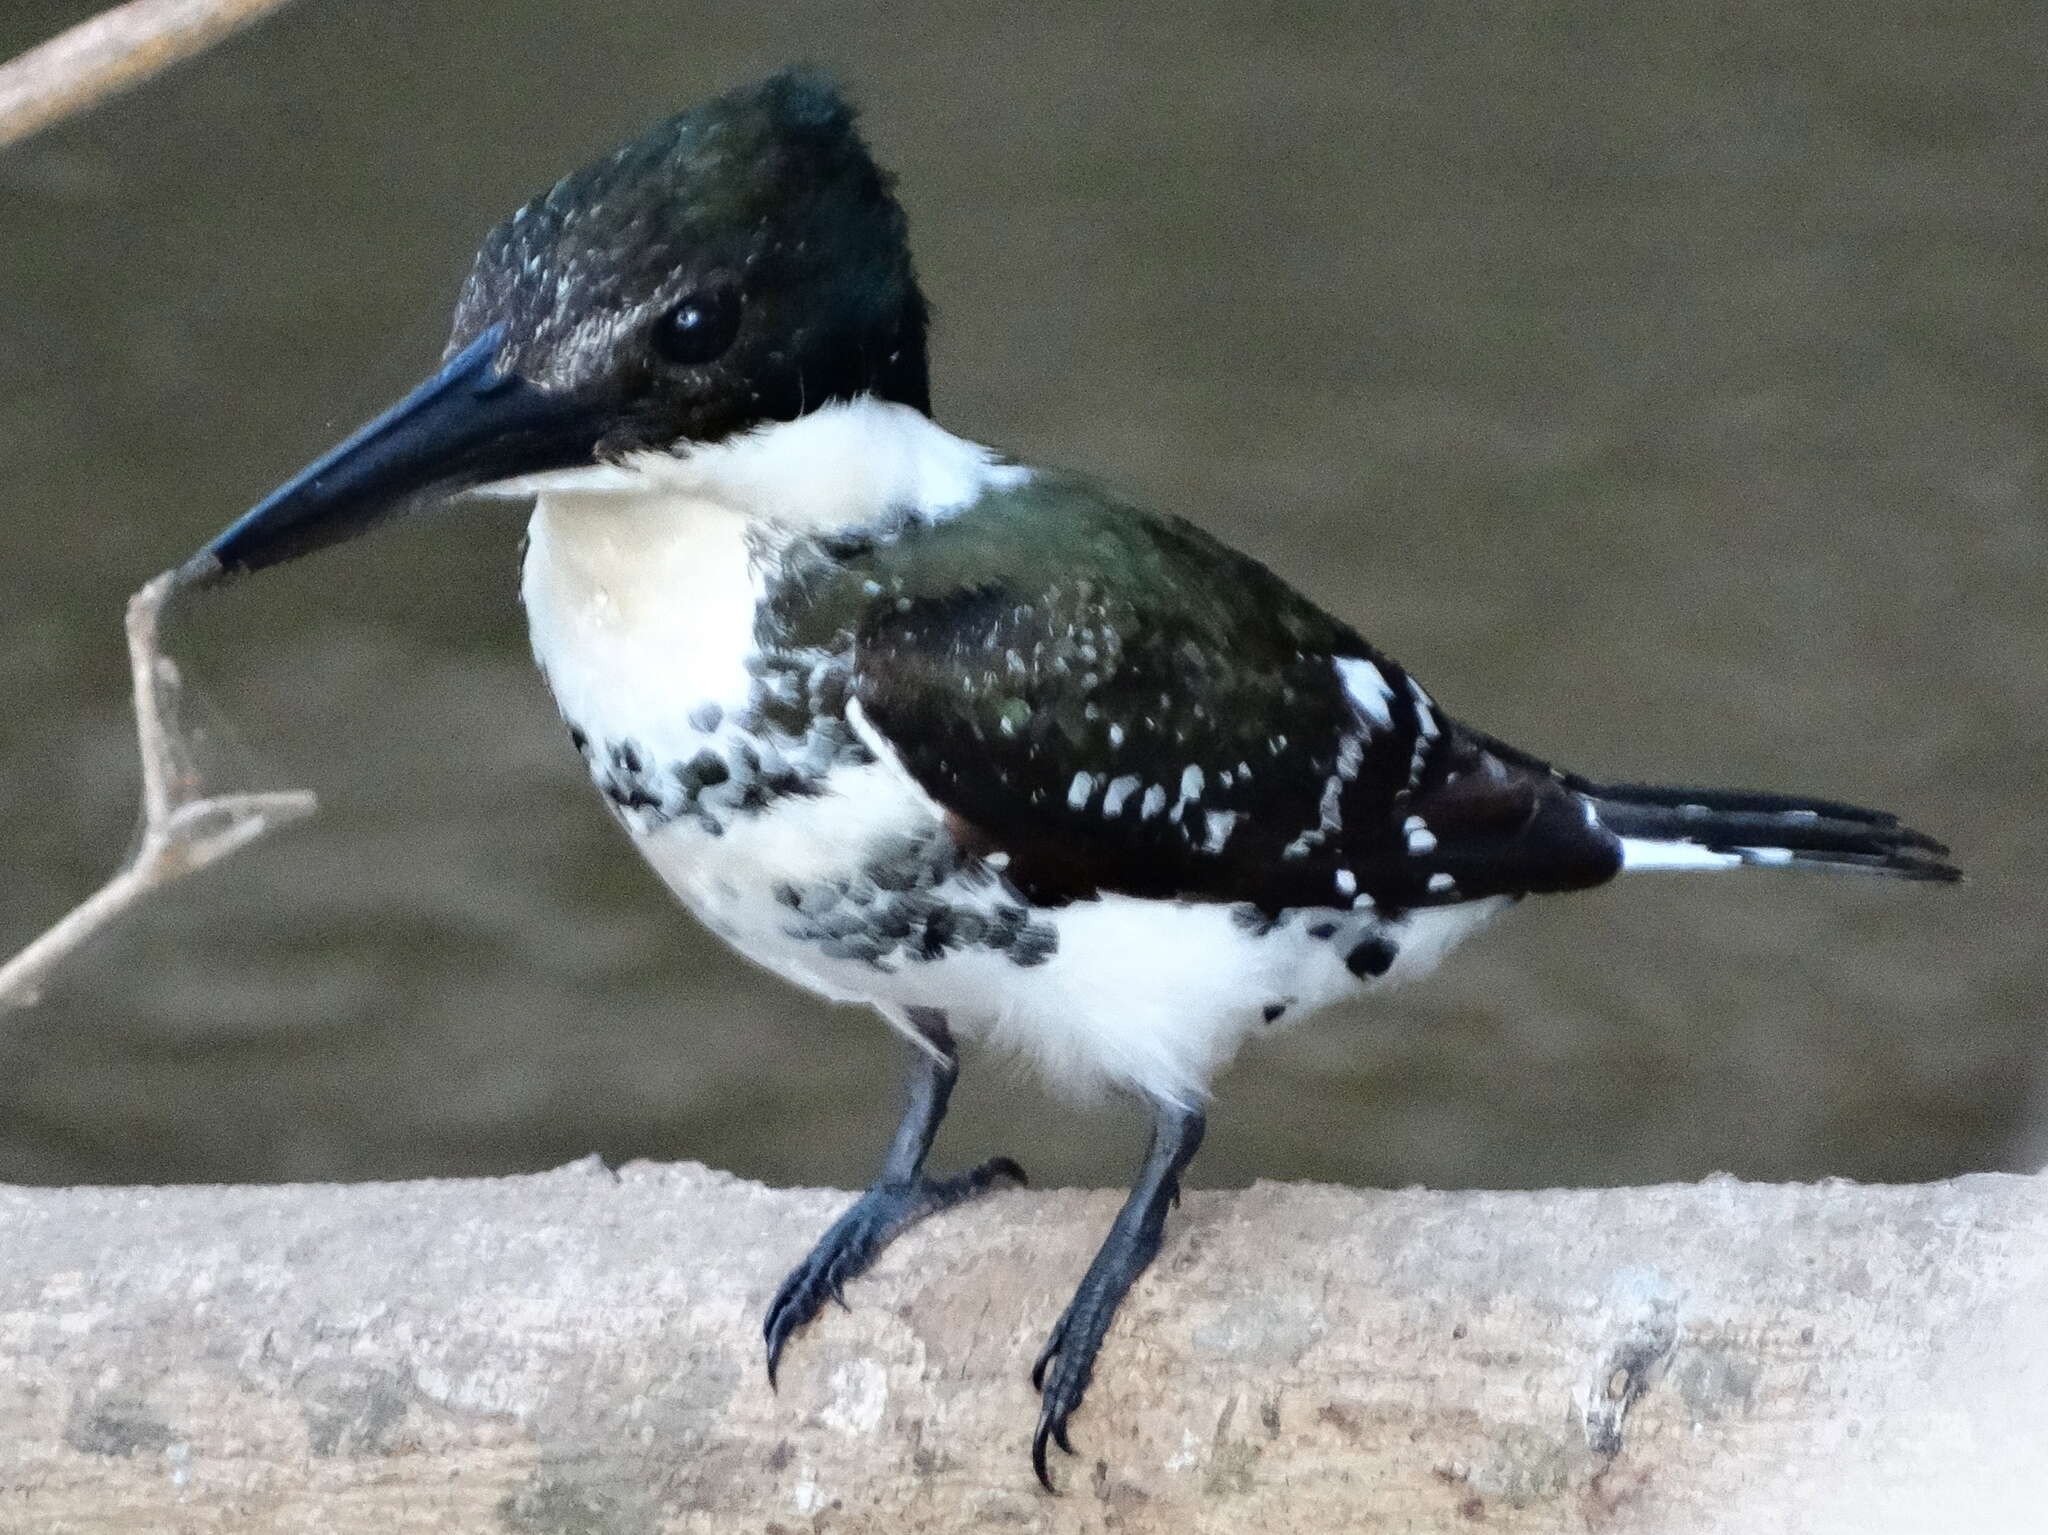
1069, 1382
1052, 1427
782, 1321
1038, 1442
776, 1325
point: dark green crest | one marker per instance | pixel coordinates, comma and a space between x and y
743, 261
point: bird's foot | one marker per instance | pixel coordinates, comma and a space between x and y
1067, 1362
857, 1238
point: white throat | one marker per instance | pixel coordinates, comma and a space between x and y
849, 464
642, 578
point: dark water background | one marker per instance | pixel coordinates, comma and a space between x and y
1667, 391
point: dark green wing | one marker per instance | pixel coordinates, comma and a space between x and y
1120, 703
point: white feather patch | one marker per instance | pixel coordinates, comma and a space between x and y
1367, 687
1119, 790
1649, 853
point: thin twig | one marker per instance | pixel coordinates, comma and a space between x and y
109, 53
182, 831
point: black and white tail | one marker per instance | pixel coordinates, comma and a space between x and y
1662, 828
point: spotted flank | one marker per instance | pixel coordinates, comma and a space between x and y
1372, 956
783, 744
916, 900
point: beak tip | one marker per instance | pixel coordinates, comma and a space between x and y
203, 569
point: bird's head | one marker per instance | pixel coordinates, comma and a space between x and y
741, 263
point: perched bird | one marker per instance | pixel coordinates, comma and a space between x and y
977, 743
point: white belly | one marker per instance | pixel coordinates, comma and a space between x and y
1150, 995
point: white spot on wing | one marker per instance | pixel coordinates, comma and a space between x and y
1079, 790
1329, 809
1119, 790
1350, 754
1425, 712
1217, 826
1368, 689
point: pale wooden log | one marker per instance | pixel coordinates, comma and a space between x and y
109, 53
578, 1353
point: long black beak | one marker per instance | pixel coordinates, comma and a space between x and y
467, 425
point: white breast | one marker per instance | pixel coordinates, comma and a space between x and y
642, 584
641, 609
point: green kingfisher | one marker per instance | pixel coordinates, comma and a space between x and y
978, 743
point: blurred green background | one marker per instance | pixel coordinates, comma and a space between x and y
1666, 391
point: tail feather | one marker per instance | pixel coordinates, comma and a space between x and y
1668, 828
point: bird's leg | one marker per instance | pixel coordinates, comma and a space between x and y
1067, 1361
900, 1196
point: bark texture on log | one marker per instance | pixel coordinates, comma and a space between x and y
578, 1353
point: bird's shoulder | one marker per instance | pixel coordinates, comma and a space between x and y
1069, 547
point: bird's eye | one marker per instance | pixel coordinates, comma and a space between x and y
700, 328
